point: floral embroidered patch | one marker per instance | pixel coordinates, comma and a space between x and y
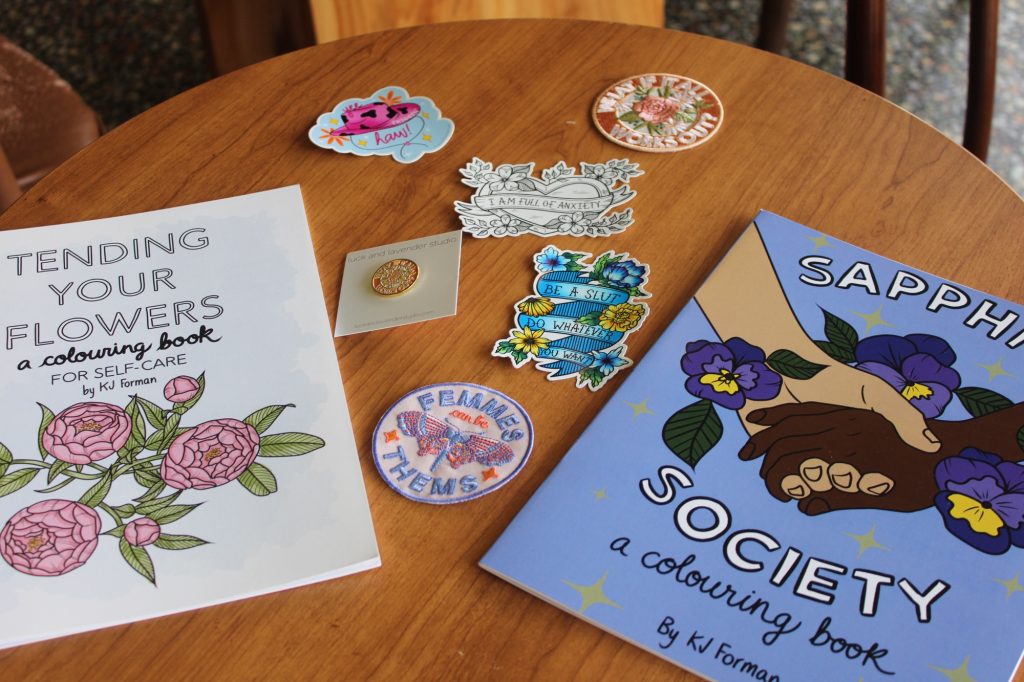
658, 112
575, 323
509, 201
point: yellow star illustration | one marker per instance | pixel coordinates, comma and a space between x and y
873, 319
362, 143
995, 370
592, 594
600, 494
334, 121
867, 541
956, 674
427, 138
820, 242
1012, 585
640, 408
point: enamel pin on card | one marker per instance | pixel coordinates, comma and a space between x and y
575, 322
388, 123
397, 284
451, 442
658, 112
509, 201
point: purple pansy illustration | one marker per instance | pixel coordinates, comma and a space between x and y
919, 366
981, 499
729, 373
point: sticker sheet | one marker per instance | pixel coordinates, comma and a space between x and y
509, 201
387, 123
815, 473
575, 323
173, 429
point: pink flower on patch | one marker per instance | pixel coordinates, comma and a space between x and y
142, 532
49, 538
656, 109
211, 454
87, 432
181, 389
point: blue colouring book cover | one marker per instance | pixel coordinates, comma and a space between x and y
814, 474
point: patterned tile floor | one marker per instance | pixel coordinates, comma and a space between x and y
124, 56
927, 58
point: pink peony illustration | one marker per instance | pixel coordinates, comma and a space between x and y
181, 389
142, 532
50, 538
211, 454
656, 109
87, 432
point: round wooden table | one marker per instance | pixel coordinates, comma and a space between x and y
795, 141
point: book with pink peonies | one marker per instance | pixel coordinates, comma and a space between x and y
173, 428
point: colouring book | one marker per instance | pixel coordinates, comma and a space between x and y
173, 429
814, 474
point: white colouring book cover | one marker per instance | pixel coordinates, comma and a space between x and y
173, 425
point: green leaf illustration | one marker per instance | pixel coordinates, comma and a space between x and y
5, 459
94, 495
835, 352
167, 541
125, 509
137, 438
841, 334
789, 364
115, 532
138, 558
629, 116
56, 470
258, 480
504, 347
263, 418
191, 402
289, 444
147, 476
150, 506
593, 317
519, 356
154, 491
172, 512
154, 413
16, 480
981, 401
47, 418
692, 431
57, 486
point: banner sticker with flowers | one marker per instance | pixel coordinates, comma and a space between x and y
575, 323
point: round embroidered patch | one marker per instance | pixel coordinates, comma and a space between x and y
658, 112
451, 442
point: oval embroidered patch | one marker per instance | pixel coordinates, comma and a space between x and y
658, 112
451, 442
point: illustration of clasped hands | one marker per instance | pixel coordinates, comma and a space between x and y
834, 435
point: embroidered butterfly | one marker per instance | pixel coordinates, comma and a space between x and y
442, 440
